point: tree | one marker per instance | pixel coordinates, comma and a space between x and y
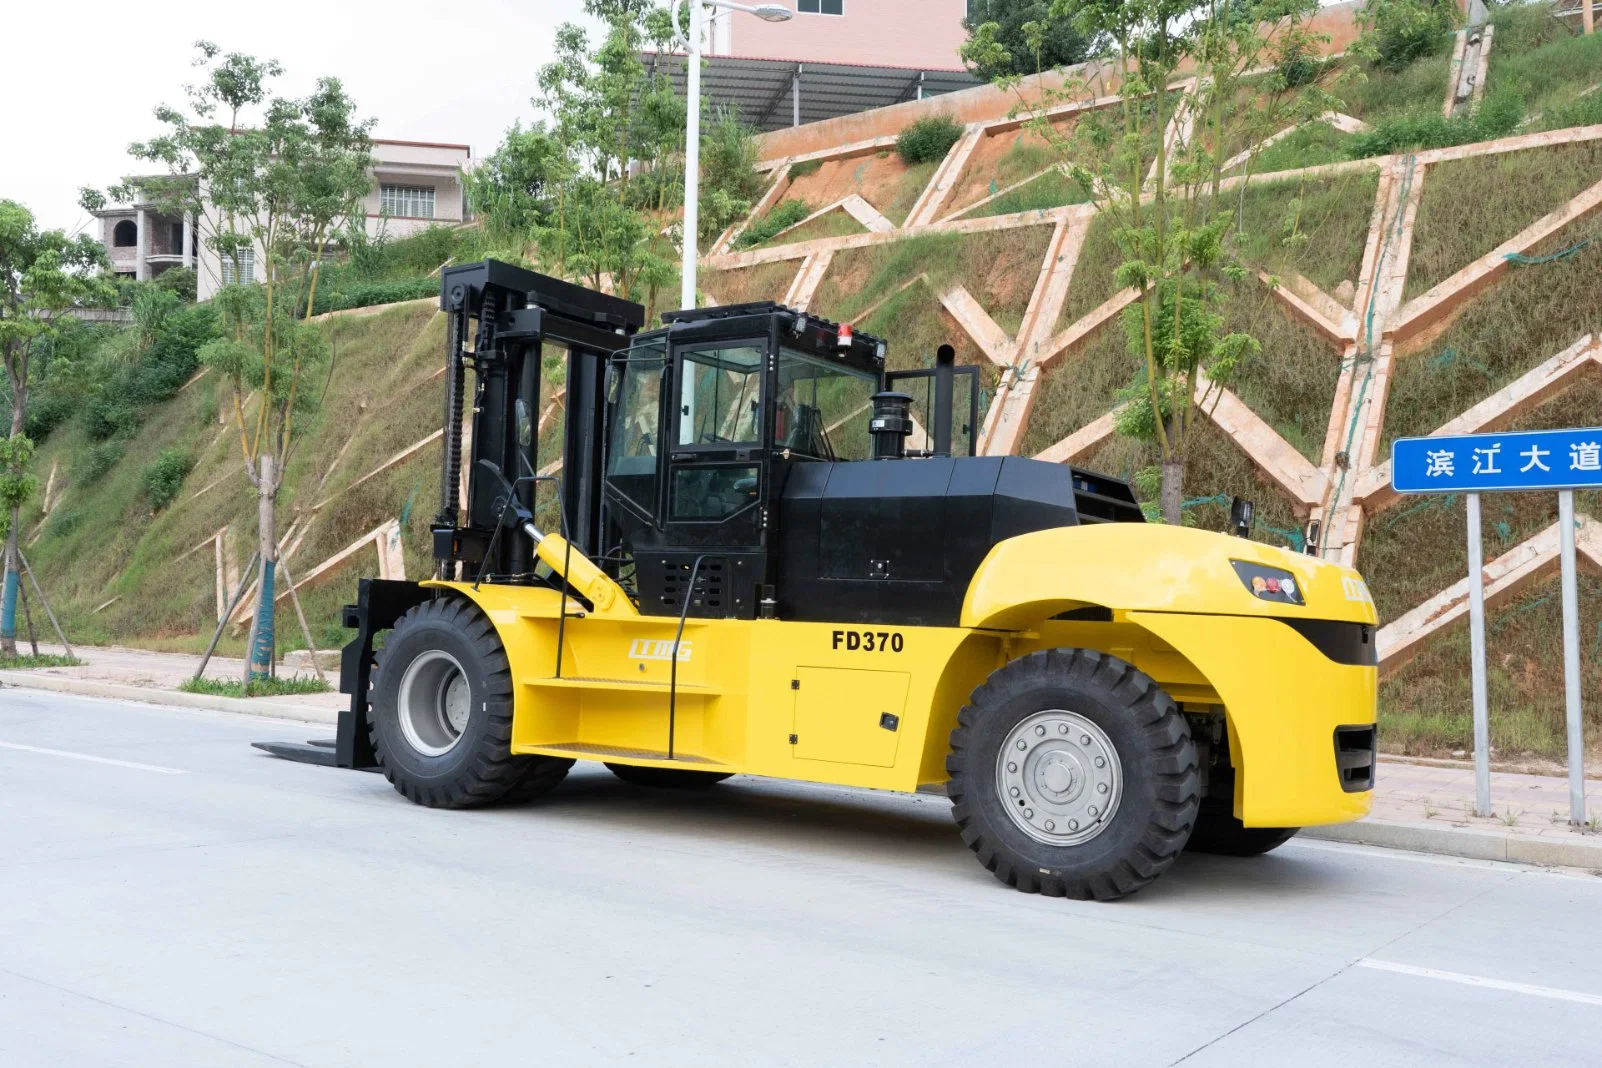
278, 179
43, 273
1199, 76
511, 188
1029, 40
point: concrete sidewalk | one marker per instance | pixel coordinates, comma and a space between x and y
1426, 806
154, 678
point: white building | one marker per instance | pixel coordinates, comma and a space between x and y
416, 184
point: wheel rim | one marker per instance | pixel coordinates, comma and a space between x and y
1059, 777
435, 702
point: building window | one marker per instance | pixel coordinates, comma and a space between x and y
247, 267
820, 7
124, 235
407, 201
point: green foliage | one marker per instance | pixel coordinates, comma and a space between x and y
17, 484
43, 660
1499, 115
805, 167
1396, 32
93, 463
42, 274
1015, 37
151, 307
785, 214
113, 401
928, 140
510, 188
165, 475
366, 294
1185, 321
258, 687
730, 183
180, 281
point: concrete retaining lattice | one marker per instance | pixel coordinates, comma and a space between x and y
1350, 482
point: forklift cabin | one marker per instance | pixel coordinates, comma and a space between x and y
712, 416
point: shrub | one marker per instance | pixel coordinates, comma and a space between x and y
179, 280
784, 215
46, 411
928, 140
1499, 115
110, 415
64, 521
367, 294
805, 167
730, 182
1396, 32
92, 464
164, 477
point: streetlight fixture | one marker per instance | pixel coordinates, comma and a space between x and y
692, 134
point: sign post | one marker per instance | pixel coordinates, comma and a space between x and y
1471, 464
1571, 656
1482, 712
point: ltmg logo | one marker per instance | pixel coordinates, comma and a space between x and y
657, 649
1356, 590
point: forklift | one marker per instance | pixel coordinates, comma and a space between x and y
773, 556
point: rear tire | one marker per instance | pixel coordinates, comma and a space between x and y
667, 778
1218, 831
1077, 720
441, 720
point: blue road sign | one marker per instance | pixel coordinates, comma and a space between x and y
1487, 463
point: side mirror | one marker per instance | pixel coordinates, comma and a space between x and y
525, 424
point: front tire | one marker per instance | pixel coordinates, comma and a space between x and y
441, 720
666, 778
1072, 774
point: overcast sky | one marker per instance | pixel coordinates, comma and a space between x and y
81, 79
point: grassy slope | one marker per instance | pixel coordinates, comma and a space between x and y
104, 542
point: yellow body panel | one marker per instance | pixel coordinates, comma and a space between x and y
874, 705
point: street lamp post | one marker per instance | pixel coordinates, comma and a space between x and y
692, 142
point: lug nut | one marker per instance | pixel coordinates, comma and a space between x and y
1101, 787
1093, 811
1050, 826
1040, 730
1063, 729
1073, 825
1011, 766
1101, 762
1084, 739
1029, 813
1022, 744
1014, 791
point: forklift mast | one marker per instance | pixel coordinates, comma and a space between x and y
500, 319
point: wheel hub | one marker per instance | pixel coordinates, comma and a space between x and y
1059, 777
435, 703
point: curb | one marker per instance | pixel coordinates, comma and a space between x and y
255, 706
1581, 851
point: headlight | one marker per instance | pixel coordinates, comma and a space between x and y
1269, 583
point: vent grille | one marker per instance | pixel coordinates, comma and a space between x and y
1354, 757
709, 584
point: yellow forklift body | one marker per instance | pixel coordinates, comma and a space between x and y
874, 705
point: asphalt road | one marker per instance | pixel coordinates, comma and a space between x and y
170, 896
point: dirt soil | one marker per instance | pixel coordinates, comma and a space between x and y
875, 178
985, 172
765, 281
